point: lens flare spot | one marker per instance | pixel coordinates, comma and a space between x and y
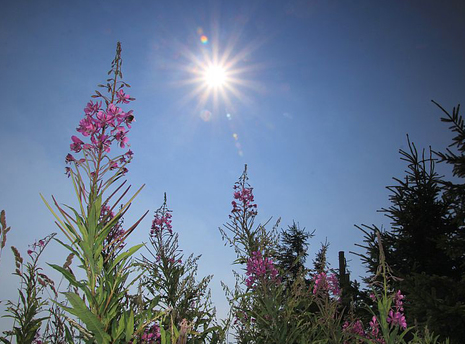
204, 39
205, 115
235, 136
228, 116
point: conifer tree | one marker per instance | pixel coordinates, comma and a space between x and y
292, 252
419, 248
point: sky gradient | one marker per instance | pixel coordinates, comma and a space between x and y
325, 94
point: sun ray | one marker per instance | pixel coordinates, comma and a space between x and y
215, 73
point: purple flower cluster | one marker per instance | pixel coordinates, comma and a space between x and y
243, 200
116, 235
259, 269
106, 212
151, 335
396, 316
355, 328
162, 220
37, 245
104, 126
326, 284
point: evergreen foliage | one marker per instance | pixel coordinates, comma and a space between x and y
293, 252
425, 246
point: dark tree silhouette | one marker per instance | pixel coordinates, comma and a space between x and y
292, 253
421, 248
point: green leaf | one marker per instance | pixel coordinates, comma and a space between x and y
93, 216
125, 255
66, 274
87, 317
130, 327
80, 223
162, 335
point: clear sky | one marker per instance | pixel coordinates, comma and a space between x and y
320, 98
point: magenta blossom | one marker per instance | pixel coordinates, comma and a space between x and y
396, 316
355, 328
103, 127
326, 284
122, 97
69, 158
260, 269
113, 165
92, 108
162, 220
76, 146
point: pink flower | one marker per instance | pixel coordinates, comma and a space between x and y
113, 110
355, 328
122, 97
397, 318
113, 165
260, 269
245, 198
76, 146
326, 284
87, 126
69, 158
162, 221
374, 324
92, 108
121, 138
105, 118
103, 127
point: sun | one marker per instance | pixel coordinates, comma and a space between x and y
215, 76
218, 73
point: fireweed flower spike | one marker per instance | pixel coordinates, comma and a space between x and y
95, 230
104, 126
162, 220
243, 199
326, 284
260, 269
396, 317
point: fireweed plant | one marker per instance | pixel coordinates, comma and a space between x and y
388, 324
170, 278
26, 313
263, 310
94, 231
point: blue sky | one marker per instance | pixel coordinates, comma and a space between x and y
326, 92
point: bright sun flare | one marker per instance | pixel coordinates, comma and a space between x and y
215, 76
218, 77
